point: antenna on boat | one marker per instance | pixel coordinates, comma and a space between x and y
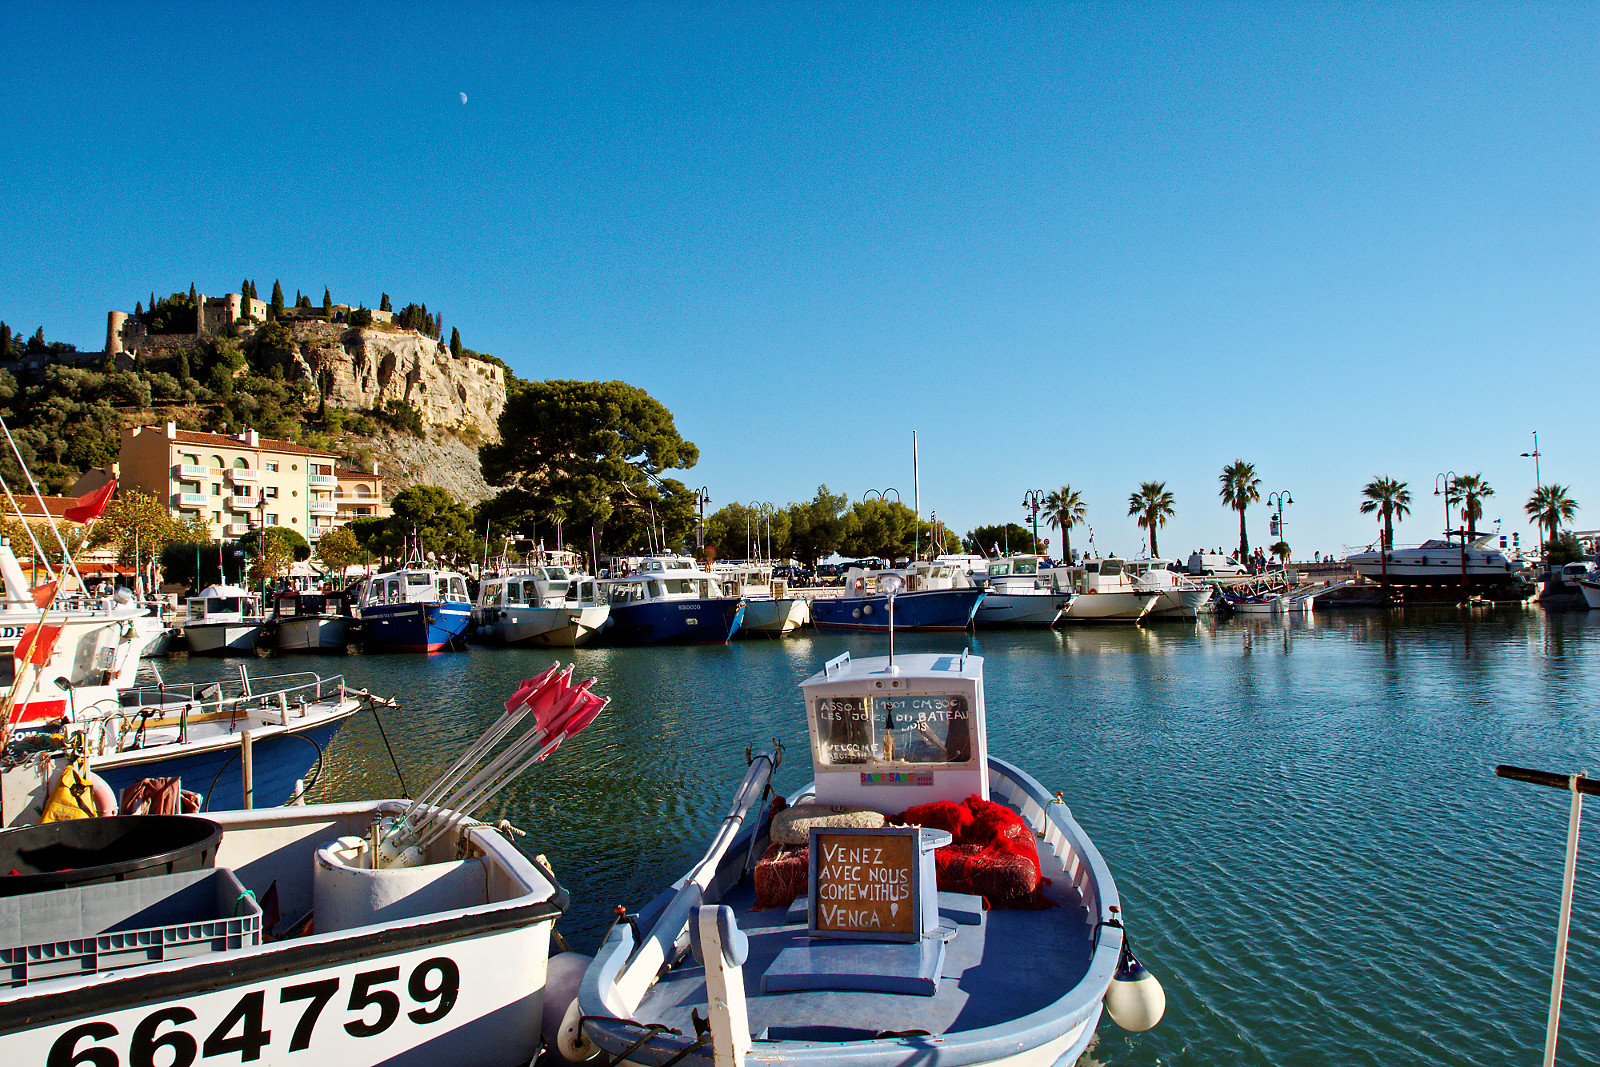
890, 584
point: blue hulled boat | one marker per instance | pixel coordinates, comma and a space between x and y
935, 596
669, 600
417, 609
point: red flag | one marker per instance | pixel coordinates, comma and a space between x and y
42, 640
44, 594
90, 505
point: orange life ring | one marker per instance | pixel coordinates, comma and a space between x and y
105, 801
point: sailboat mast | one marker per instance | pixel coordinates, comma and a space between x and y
916, 497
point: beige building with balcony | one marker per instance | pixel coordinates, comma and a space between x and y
234, 481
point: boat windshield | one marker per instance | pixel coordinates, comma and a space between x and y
1025, 566
914, 728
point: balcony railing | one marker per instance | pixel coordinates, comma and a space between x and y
322, 479
243, 474
193, 472
190, 500
321, 507
243, 503
236, 529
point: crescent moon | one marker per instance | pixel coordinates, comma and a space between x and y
463, 98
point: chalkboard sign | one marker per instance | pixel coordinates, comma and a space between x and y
866, 883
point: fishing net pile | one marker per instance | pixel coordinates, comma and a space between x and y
992, 855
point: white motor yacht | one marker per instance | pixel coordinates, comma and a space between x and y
1477, 562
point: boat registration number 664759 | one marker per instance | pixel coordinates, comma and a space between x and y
304, 1013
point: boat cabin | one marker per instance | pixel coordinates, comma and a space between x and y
414, 587
539, 587
1106, 575
222, 603
292, 603
890, 735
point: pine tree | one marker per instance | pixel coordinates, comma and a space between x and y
36, 342
384, 305
455, 342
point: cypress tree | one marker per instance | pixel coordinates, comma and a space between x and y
183, 365
36, 342
438, 327
455, 342
193, 297
384, 305
138, 310
327, 300
5, 341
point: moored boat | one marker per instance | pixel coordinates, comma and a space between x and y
414, 609
313, 622
1181, 597
670, 600
851, 927
442, 962
1475, 562
1015, 594
769, 610
936, 596
223, 620
543, 606
1105, 592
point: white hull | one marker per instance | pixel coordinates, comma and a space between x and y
549, 627
1181, 603
1021, 609
221, 638
1109, 607
458, 981
775, 617
1591, 593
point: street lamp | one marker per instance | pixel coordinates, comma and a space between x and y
767, 511
1448, 478
1279, 500
1033, 499
261, 538
1535, 455
702, 497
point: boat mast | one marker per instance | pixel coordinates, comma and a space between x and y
916, 500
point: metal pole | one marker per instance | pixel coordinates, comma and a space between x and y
247, 759
1553, 1025
916, 500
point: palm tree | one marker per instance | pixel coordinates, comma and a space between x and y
1066, 509
1469, 491
1240, 489
1392, 500
1153, 504
1551, 506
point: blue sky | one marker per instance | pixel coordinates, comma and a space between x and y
1071, 243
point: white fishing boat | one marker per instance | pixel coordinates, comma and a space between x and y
823, 936
1018, 592
1104, 592
440, 963
1181, 597
223, 620
1590, 588
768, 609
543, 606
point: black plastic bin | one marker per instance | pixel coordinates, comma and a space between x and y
115, 848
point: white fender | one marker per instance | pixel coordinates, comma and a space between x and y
571, 1042
1135, 1000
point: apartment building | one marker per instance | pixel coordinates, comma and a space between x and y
232, 481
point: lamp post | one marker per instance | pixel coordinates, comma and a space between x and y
261, 539
1279, 500
1033, 499
1538, 483
767, 511
701, 498
1447, 481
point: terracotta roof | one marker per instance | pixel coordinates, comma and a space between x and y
54, 504
222, 440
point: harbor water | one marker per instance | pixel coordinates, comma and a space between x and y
1313, 852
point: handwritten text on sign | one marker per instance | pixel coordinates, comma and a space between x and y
865, 883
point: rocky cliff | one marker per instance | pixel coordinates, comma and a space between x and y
366, 368
443, 459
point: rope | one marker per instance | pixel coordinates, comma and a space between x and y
404, 792
240, 899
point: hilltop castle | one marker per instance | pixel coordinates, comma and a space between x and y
124, 333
